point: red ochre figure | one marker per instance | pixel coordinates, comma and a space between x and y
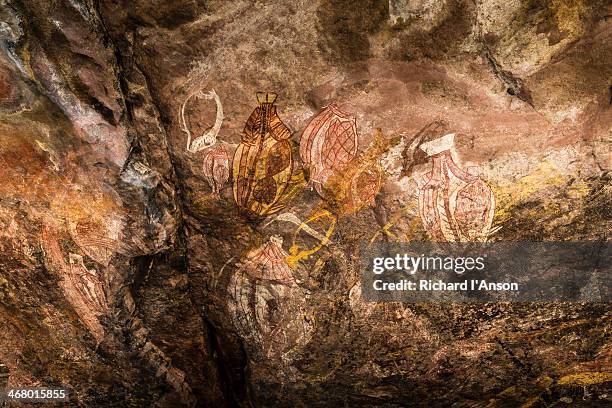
364, 187
263, 161
265, 303
328, 143
455, 206
216, 169
268, 262
93, 239
88, 284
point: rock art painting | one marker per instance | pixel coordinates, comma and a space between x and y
88, 284
265, 303
83, 287
301, 249
355, 187
209, 137
216, 168
216, 160
268, 263
195, 195
363, 187
263, 162
455, 205
93, 239
294, 219
329, 142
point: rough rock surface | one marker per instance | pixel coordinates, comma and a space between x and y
124, 278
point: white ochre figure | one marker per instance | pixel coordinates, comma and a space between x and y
209, 138
455, 205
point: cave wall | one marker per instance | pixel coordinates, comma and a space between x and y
99, 186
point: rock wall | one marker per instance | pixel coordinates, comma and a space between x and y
139, 269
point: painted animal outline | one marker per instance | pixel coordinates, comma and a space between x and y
266, 306
328, 143
216, 160
455, 205
263, 162
209, 138
216, 169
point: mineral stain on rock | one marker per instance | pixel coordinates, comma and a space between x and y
345, 26
5, 86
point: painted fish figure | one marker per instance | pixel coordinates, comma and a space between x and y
268, 262
328, 143
216, 169
263, 161
264, 302
355, 188
455, 205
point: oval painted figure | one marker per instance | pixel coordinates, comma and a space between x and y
268, 262
455, 205
328, 143
263, 161
216, 169
264, 302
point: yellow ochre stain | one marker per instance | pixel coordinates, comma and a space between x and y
544, 177
586, 378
